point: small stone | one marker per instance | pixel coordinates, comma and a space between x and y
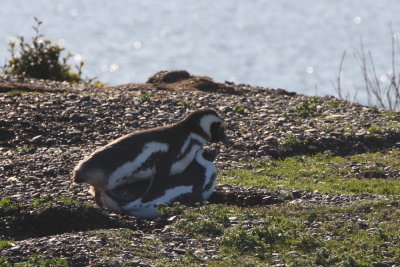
171, 219
7, 167
85, 117
75, 117
180, 251
292, 253
75, 133
15, 248
311, 130
85, 98
50, 141
37, 139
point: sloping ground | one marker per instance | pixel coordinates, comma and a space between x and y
46, 128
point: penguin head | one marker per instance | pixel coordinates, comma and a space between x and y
209, 123
217, 130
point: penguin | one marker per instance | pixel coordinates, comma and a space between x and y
151, 154
195, 184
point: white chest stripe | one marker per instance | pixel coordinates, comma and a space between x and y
128, 168
208, 166
180, 165
189, 140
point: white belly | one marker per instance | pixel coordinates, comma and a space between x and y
148, 210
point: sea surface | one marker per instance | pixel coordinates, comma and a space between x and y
290, 44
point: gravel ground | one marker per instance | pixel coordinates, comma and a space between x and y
43, 136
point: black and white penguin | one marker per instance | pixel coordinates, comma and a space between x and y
195, 184
152, 154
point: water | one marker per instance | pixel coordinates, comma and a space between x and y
288, 44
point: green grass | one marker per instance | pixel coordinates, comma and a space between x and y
8, 205
5, 244
26, 149
308, 107
323, 173
356, 235
37, 260
146, 97
360, 233
44, 202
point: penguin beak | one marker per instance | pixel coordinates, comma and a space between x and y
223, 137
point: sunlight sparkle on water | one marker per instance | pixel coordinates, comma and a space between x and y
357, 20
310, 70
383, 78
78, 58
73, 12
164, 31
114, 67
239, 26
61, 42
137, 45
195, 17
232, 79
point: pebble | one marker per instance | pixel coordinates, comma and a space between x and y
37, 139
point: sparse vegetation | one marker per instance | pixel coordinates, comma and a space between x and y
41, 59
43, 202
183, 103
7, 204
308, 107
383, 91
4, 244
358, 234
37, 260
324, 173
26, 149
291, 142
239, 108
211, 223
146, 96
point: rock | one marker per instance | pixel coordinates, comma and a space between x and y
75, 117
292, 253
37, 139
6, 135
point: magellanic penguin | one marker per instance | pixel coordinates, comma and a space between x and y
195, 184
152, 154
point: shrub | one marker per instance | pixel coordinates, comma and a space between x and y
41, 60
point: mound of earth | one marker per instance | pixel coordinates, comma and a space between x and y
182, 80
